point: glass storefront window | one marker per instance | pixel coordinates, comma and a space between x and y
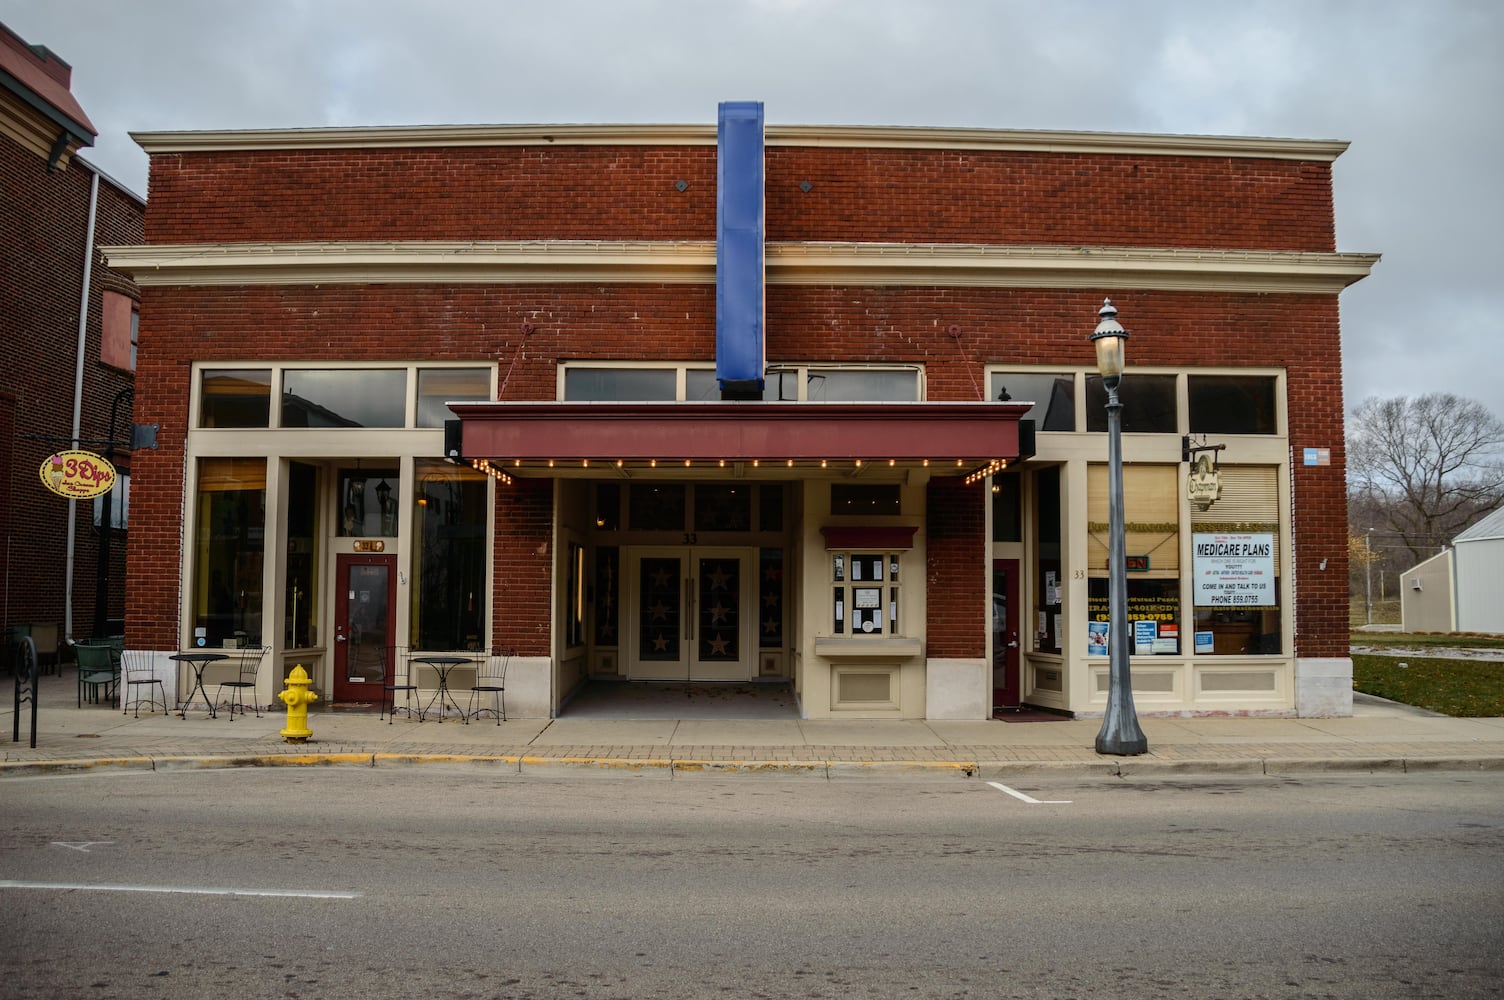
1148, 404
656, 508
619, 384
436, 386
722, 508
355, 397
1235, 552
770, 599
449, 557
1053, 395
300, 602
228, 545
1232, 404
368, 503
1049, 587
1151, 515
860, 385
1153, 615
700, 384
235, 397
1007, 511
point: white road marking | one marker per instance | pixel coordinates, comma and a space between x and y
190, 890
1025, 798
81, 845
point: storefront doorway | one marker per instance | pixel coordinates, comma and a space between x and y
691, 613
1006, 692
364, 626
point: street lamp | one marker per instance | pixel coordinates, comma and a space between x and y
1120, 733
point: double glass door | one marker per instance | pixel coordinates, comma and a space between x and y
692, 613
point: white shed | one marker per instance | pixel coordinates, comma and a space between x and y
1480, 575
1462, 589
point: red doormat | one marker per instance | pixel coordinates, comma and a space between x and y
1027, 715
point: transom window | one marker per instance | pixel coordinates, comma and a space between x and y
595, 382
1153, 402
334, 398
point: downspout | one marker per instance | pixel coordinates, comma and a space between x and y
78, 399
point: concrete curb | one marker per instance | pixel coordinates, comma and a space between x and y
668, 768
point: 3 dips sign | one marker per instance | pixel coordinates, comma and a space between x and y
77, 475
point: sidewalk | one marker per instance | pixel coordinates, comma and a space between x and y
1379, 736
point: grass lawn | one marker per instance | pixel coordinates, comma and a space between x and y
1460, 688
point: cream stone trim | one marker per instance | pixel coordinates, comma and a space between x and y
935, 264
865, 136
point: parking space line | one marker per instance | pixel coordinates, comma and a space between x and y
1025, 798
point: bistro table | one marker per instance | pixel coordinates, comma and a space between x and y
198, 660
442, 665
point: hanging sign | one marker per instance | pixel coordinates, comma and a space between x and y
77, 475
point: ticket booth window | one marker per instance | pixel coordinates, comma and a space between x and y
865, 592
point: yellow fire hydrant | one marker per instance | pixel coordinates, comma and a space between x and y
297, 697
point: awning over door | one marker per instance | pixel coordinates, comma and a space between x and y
547, 438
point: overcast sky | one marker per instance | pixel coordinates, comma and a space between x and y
1414, 85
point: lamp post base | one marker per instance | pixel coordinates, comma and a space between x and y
1122, 746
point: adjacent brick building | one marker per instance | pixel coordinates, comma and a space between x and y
898, 507
59, 210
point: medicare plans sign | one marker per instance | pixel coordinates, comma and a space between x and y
1234, 571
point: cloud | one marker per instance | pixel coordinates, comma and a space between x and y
1411, 85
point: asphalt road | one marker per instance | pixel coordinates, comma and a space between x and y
456, 882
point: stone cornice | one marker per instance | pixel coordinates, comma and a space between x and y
924, 264
979, 139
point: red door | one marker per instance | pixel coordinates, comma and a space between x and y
1006, 692
364, 625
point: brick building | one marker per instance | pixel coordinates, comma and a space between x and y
63, 384
809, 405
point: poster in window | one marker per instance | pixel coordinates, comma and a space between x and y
1096, 638
1144, 634
867, 597
1234, 570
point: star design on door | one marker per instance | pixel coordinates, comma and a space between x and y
658, 612
719, 613
660, 578
718, 645
770, 600
770, 625
772, 574
660, 644
719, 578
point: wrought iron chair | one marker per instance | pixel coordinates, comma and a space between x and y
247, 674
98, 670
398, 677
490, 679
139, 671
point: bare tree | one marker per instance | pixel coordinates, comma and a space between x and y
1424, 468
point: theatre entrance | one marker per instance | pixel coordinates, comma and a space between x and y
691, 613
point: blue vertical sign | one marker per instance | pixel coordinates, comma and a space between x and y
739, 255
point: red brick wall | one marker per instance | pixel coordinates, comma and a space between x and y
524, 566
628, 192
41, 272
955, 532
1004, 326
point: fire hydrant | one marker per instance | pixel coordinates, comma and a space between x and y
296, 697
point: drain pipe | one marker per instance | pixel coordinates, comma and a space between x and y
78, 399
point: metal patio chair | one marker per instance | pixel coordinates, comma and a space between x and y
398, 677
98, 671
247, 674
490, 679
138, 670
